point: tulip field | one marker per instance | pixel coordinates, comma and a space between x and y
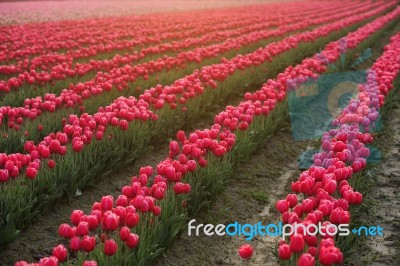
177, 96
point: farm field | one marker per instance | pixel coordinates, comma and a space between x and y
199, 132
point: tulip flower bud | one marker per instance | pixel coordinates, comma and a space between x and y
66, 231
82, 229
89, 263
88, 243
49, 261
60, 252
284, 252
296, 243
291, 200
246, 251
75, 244
282, 206
110, 221
31, 172
132, 241
107, 203
122, 200
306, 260
124, 233
110, 247
76, 216
131, 219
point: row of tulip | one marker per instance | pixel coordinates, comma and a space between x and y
120, 33
47, 62
86, 95
329, 196
53, 60
64, 69
146, 216
21, 198
43, 38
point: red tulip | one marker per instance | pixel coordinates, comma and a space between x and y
131, 219
123, 124
292, 200
296, 243
307, 205
22, 263
51, 164
132, 241
99, 135
54, 145
93, 221
60, 252
202, 162
88, 243
124, 233
246, 251
107, 203
330, 186
122, 200
339, 216
110, 221
179, 188
306, 260
77, 146
156, 210
159, 193
311, 240
312, 251
357, 198
127, 191
76, 216
284, 252
75, 244
110, 247
48, 261
282, 206
82, 229
31, 172
66, 231
297, 209
192, 165
4, 176
181, 135
89, 263
174, 147
330, 255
